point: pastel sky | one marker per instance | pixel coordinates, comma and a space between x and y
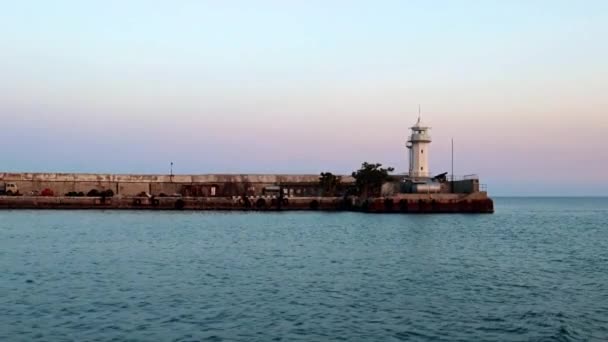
308, 86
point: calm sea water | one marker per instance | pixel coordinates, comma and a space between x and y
537, 270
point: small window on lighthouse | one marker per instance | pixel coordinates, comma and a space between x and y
421, 168
421, 151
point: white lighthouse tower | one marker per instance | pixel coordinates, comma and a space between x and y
418, 147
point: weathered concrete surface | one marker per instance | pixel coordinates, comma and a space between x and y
477, 202
132, 185
404, 203
228, 192
170, 203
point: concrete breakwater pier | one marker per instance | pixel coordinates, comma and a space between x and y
231, 192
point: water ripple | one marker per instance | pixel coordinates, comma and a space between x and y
534, 271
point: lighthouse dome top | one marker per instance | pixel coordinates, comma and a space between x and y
420, 125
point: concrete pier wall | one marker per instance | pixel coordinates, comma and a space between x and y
193, 185
226, 192
410, 203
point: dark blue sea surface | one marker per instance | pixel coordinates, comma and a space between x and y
536, 270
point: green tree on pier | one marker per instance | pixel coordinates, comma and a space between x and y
370, 177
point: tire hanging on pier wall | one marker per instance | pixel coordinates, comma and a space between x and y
403, 206
389, 204
434, 206
365, 206
246, 202
421, 206
314, 205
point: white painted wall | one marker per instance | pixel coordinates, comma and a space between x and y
419, 148
420, 160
